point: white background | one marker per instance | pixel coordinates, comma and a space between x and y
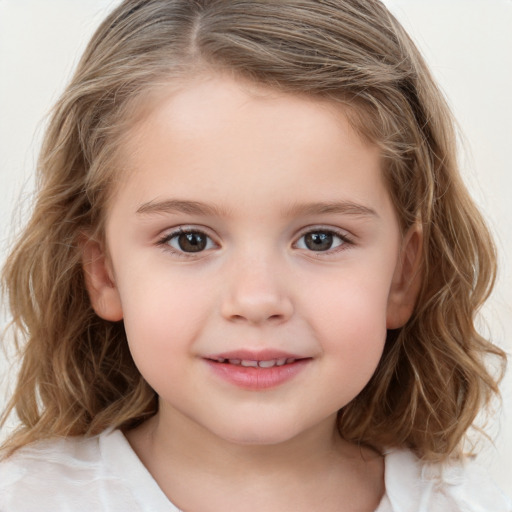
468, 44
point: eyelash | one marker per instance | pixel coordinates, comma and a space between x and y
345, 241
164, 242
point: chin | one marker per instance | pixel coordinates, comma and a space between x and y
259, 434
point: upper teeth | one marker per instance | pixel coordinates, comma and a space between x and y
260, 364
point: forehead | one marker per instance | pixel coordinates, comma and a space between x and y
224, 136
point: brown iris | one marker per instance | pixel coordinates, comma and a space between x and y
319, 241
192, 242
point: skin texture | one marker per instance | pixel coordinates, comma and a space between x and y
254, 170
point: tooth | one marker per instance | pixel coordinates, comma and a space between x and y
253, 364
281, 361
290, 360
267, 364
221, 360
235, 361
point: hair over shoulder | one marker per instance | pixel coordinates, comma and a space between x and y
77, 376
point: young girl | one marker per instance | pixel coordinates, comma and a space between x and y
251, 273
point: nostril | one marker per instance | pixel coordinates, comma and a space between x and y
256, 306
254, 318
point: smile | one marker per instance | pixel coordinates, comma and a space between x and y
257, 371
251, 363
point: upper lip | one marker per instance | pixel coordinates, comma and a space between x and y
254, 355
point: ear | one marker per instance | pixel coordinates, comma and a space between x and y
99, 282
406, 282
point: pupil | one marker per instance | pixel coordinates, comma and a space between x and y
318, 241
192, 242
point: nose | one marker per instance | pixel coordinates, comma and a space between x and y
256, 294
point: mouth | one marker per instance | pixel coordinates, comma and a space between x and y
257, 371
256, 363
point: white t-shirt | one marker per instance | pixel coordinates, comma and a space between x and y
103, 473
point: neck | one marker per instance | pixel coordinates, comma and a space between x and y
200, 471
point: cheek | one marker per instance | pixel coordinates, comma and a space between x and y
350, 322
354, 298
355, 342
162, 318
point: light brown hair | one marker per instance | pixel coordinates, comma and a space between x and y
77, 376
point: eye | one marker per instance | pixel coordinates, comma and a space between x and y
188, 241
322, 240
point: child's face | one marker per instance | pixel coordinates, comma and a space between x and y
254, 226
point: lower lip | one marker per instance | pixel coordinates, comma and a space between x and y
257, 378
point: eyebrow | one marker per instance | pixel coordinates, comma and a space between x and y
180, 206
206, 209
337, 207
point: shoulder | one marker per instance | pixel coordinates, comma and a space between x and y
453, 487
61, 474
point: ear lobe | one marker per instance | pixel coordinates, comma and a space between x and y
103, 293
406, 282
